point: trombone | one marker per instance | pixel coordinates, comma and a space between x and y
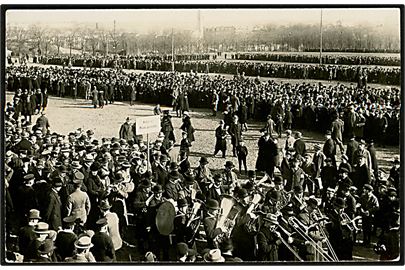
303, 230
350, 223
290, 248
320, 220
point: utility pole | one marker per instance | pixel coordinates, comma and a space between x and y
172, 51
320, 47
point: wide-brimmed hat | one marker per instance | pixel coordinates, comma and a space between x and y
272, 218
34, 214
83, 242
340, 203
76, 164
70, 219
214, 255
104, 205
41, 228
29, 177
89, 158
102, 222
212, 204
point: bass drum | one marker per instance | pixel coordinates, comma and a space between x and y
165, 218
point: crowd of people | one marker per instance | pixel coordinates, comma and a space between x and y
91, 199
88, 200
374, 114
333, 59
371, 74
127, 62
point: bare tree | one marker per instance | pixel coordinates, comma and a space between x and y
17, 37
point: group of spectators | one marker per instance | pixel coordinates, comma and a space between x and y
334, 59
91, 199
376, 110
360, 75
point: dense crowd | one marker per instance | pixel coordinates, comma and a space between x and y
360, 75
326, 59
89, 199
375, 113
128, 62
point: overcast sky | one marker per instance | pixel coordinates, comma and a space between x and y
144, 20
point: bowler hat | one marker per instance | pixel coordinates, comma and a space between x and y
173, 165
229, 164
242, 193
182, 249
157, 189
212, 204
328, 132
340, 203
203, 160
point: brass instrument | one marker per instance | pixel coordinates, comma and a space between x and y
303, 230
230, 209
349, 223
195, 220
320, 219
290, 248
252, 225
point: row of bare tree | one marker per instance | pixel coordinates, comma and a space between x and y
39, 40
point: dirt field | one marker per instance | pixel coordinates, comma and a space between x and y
66, 115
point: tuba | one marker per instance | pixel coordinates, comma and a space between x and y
229, 211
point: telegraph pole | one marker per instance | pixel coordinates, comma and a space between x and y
172, 51
320, 47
